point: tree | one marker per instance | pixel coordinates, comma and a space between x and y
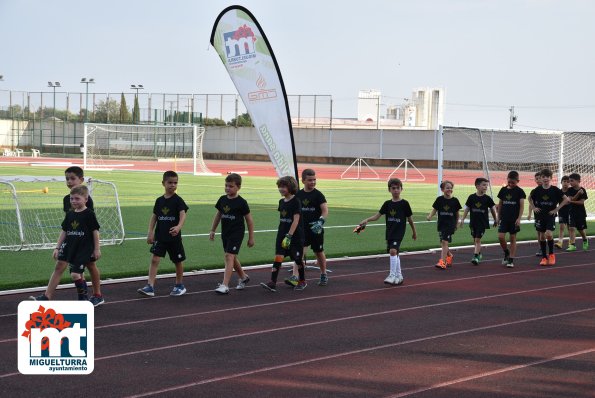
243, 120
124, 113
136, 111
213, 122
107, 111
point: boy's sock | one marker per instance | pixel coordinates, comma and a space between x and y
81, 289
393, 265
275, 273
550, 246
542, 246
398, 268
301, 270
506, 253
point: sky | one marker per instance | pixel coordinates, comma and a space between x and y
488, 55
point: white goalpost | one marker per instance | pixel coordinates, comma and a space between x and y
31, 212
473, 152
109, 145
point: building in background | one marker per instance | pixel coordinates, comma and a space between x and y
368, 105
429, 107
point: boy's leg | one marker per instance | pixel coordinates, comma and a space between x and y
153, 270
512, 246
237, 266
55, 278
321, 261
560, 242
81, 285
445, 251
229, 266
95, 278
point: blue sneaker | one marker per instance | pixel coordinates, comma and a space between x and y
178, 290
147, 290
43, 297
96, 300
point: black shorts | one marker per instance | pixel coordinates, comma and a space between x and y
508, 227
477, 232
578, 222
316, 242
232, 244
295, 250
393, 244
446, 235
545, 223
175, 249
563, 218
76, 265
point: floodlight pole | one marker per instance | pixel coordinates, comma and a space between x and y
136, 87
53, 85
86, 82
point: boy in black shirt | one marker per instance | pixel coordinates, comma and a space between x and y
577, 217
510, 209
77, 246
563, 213
165, 235
290, 234
314, 213
447, 207
478, 205
547, 200
232, 209
74, 176
396, 211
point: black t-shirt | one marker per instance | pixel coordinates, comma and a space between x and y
577, 210
232, 213
168, 211
478, 209
79, 227
511, 202
564, 210
286, 212
396, 214
311, 202
447, 212
67, 207
546, 200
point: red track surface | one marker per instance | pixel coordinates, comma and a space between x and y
484, 331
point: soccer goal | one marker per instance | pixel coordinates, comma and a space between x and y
110, 145
31, 212
467, 153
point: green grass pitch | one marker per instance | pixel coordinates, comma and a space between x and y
349, 202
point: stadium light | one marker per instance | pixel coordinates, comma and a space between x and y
137, 87
86, 82
53, 86
1, 78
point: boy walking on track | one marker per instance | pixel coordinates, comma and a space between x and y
232, 209
78, 245
396, 210
447, 207
290, 234
314, 213
509, 211
577, 217
478, 205
547, 200
563, 213
165, 234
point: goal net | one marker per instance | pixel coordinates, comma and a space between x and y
468, 153
142, 146
31, 212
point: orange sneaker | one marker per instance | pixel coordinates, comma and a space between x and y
449, 260
551, 260
441, 264
543, 261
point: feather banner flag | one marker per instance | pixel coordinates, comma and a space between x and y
246, 53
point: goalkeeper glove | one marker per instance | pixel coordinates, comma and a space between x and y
286, 242
359, 228
316, 226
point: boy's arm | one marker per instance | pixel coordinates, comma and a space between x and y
151, 233
414, 232
432, 213
294, 224
250, 223
324, 210
564, 202
462, 220
97, 250
174, 231
373, 218
214, 225
494, 215
521, 210
59, 244
499, 209
457, 219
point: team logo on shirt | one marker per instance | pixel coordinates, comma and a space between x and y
478, 204
283, 213
446, 207
393, 212
226, 208
306, 202
545, 197
74, 224
165, 210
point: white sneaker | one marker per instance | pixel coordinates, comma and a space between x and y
242, 283
398, 279
222, 289
390, 279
